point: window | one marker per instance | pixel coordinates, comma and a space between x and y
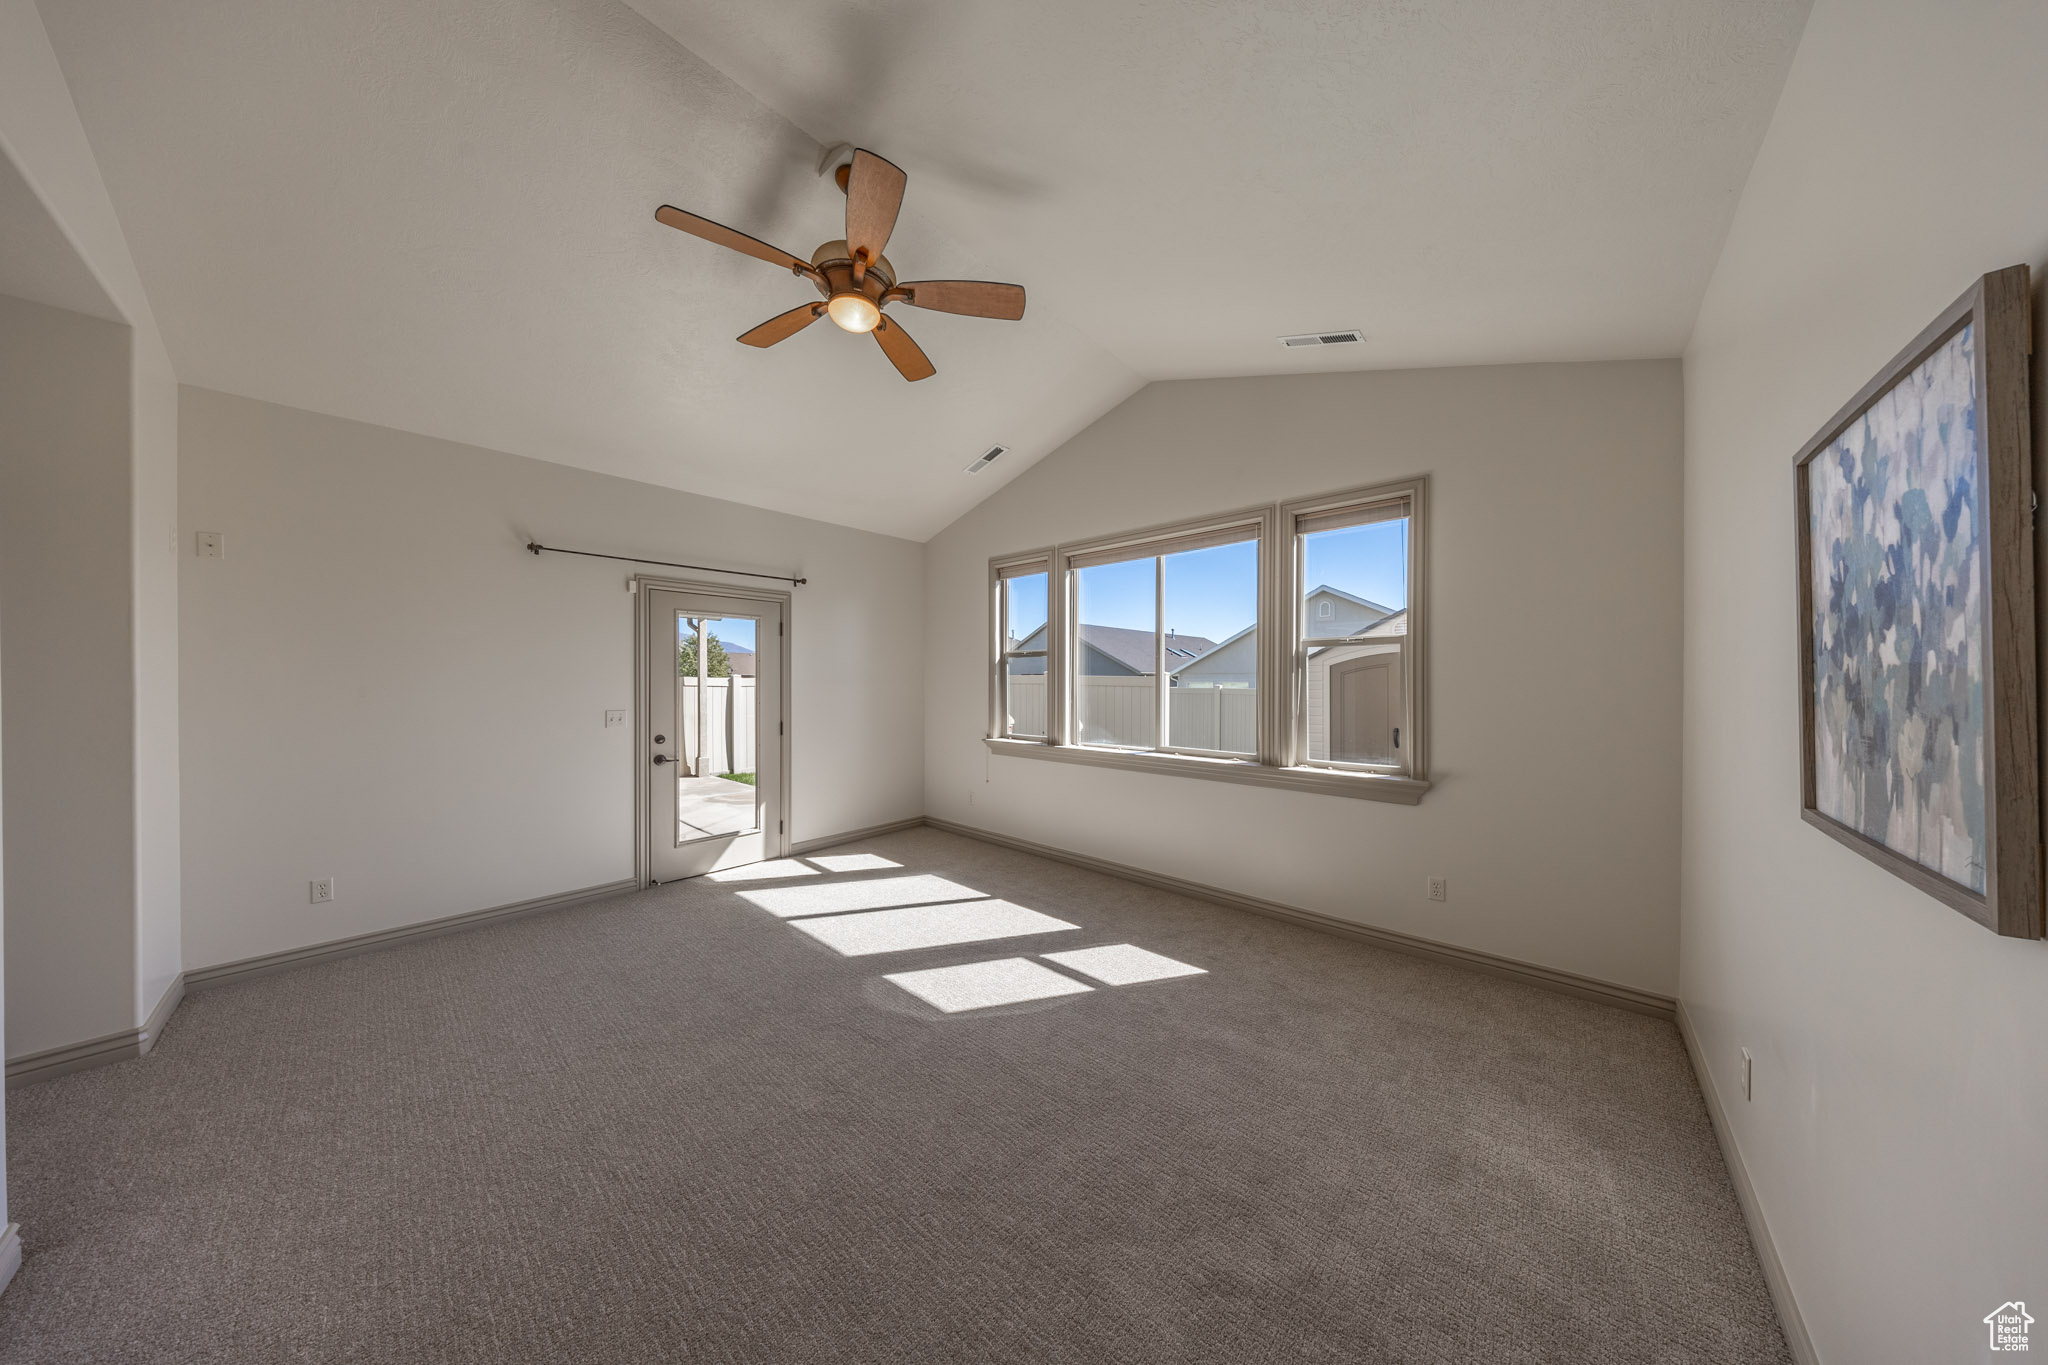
1279, 646
1161, 630
1165, 651
1352, 572
1021, 619
1116, 654
1210, 598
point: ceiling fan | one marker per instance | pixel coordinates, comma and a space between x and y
857, 280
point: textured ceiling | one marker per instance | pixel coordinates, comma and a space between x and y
436, 214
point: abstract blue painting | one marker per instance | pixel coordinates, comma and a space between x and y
1895, 518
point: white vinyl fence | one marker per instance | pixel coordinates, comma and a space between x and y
1118, 710
728, 725
1225, 718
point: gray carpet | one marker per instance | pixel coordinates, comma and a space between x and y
671, 1126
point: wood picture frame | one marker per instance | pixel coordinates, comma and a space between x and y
1917, 673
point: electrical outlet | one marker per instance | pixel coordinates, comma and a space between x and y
1439, 889
1748, 1071
212, 545
320, 892
615, 719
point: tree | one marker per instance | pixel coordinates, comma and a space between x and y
716, 665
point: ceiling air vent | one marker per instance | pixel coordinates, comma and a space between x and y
988, 458
1323, 338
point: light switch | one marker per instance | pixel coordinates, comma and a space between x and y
211, 545
614, 719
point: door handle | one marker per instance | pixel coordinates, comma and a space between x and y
660, 759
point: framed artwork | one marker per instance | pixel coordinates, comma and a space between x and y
1917, 691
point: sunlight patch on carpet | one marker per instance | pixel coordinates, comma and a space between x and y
1122, 964
788, 902
981, 985
928, 926
852, 862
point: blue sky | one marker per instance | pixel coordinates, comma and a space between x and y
734, 632
1214, 592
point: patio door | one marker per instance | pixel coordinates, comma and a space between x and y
712, 731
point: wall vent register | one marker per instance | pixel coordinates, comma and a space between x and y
988, 458
1323, 338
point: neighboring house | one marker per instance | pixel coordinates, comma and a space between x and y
1115, 652
1328, 611
1355, 695
741, 662
1233, 663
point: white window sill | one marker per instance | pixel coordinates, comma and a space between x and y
1406, 791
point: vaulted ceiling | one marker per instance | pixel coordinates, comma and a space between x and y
438, 214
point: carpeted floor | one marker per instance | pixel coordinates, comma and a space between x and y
676, 1126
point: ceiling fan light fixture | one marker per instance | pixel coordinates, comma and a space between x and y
854, 312
853, 274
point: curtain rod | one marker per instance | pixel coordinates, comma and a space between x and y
535, 547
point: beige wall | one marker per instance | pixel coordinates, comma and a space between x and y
1900, 1117
1554, 654
68, 689
382, 686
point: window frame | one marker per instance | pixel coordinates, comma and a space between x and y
1000, 571
1281, 757
1254, 524
1415, 493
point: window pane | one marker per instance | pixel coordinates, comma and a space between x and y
1355, 702
1115, 666
1355, 589
1212, 647
1353, 578
716, 795
1024, 688
1024, 604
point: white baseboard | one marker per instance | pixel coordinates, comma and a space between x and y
130, 1044
803, 846
124, 1046
10, 1254
1567, 983
50, 1063
153, 1027
243, 969
1796, 1338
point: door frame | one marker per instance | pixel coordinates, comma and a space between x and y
777, 843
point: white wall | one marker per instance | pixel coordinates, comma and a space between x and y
43, 140
382, 686
69, 684
153, 567
1554, 654
1900, 1118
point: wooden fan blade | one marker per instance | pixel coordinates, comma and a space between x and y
725, 236
905, 354
975, 298
874, 194
783, 326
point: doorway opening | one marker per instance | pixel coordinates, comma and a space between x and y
713, 738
